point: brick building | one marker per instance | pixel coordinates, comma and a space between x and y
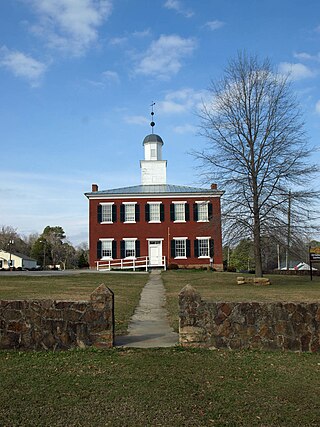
155, 221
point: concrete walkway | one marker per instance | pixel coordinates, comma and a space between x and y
149, 326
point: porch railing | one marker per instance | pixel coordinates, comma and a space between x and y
128, 264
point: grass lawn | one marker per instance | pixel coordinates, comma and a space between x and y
126, 288
159, 387
217, 286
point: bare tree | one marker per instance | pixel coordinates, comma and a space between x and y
256, 151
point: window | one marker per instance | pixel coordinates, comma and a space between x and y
154, 210
129, 212
106, 248
153, 153
180, 251
130, 248
179, 212
203, 248
106, 212
203, 211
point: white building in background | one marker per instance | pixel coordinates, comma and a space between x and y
17, 260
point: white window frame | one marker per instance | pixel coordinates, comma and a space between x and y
201, 239
129, 221
103, 207
103, 242
205, 217
184, 211
151, 205
128, 240
177, 240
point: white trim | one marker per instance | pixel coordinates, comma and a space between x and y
204, 237
129, 222
106, 239
106, 222
203, 257
154, 203
129, 238
178, 201
129, 203
203, 220
202, 201
106, 203
158, 196
179, 220
154, 222
180, 257
155, 238
180, 238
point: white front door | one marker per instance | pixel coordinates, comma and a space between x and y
155, 252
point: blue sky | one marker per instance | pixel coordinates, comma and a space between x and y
77, 79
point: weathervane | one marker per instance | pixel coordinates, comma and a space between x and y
152, 114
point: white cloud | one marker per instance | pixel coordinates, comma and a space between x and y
304, 56
214, 25
144, 33
181, 101
318, 107
22, 65
136, 120
164, 56
296, 71
187, 128
111, 76
116, 41
178, 7
70, 25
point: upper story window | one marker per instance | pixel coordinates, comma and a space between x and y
179, 211
107, 213
154, 212
129, 212
202, 211
203, 214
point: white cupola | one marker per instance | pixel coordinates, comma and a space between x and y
153, 168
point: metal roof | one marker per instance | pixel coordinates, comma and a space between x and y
158, 189
152, 138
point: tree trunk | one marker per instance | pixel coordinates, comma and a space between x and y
257, 246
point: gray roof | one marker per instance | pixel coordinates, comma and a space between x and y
20, 255
159, 189
152, 138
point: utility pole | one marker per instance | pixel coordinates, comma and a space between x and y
11, 242
288, 231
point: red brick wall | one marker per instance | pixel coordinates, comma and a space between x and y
143, 230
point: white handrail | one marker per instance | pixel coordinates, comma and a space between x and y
130, 263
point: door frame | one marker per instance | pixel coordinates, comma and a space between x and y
159, 241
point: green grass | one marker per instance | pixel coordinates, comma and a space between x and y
126, 288
159, 387
216, 286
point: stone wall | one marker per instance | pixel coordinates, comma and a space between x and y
248, 325
52, 324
